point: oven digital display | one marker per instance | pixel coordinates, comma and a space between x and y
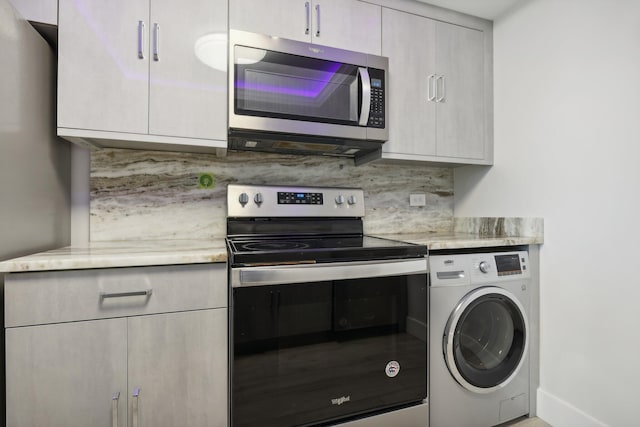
508, 264
290, 198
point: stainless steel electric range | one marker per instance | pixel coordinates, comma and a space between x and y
327, 325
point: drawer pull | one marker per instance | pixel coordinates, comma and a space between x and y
146, 293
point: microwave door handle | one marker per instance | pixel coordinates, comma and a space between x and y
363, 74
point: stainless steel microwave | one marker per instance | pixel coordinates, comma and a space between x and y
294, 97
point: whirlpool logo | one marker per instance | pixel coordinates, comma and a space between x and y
340, 400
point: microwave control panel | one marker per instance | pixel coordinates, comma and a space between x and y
377, 109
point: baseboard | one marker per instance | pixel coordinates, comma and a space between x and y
559, 413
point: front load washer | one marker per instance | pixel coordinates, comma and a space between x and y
479, 338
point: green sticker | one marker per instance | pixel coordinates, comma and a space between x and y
206, 180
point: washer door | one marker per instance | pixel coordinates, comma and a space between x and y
486, 339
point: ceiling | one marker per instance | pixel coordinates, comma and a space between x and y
488, 9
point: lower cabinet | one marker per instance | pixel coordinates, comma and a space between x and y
150, 370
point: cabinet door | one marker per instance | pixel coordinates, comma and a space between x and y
102, 82
179, 363
65, 375
188, 96
409, 42
290, 19
347, 24
460, 115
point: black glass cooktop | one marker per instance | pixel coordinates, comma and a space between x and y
252, 251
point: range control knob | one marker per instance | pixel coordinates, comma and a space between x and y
243, 199
340, 199
352, 200
484, 266
258, 199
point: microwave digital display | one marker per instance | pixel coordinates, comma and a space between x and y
376, 83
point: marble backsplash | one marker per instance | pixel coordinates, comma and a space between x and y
148, 195
500, 226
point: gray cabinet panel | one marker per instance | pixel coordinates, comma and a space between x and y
412, 116
179, 362
102, 83
344, 24
439, 90
65, 375
63, 296
187, 97
281, 18
460, 129
114, 92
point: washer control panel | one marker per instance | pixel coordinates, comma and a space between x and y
499, 266
465, 269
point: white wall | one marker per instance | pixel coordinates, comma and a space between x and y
567, 148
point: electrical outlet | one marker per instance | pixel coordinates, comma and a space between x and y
417, 199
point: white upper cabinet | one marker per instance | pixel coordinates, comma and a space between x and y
103, 84
146, 71
187, 97
412, 118
344, 24
460, 86
439, 91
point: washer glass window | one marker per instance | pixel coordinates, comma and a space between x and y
489, 340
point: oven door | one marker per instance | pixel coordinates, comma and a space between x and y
314, 344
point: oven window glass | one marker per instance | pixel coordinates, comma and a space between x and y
280, 85
489, 340
315, 352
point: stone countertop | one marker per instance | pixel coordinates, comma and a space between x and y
137, 253
437, 241
121, 254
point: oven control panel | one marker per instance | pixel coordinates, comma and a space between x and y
281, 201
297, 198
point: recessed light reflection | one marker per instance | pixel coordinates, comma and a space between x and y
211, 50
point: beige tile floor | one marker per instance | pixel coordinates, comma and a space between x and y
526, 422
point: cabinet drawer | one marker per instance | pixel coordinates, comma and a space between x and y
34, 298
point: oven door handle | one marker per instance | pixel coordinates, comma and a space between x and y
305, 273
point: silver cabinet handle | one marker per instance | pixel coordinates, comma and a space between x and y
114, 409
156, 42
134, 404
308, 12
363, 74
141, 39
431, 94
146, 293
317, 20
441, 97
